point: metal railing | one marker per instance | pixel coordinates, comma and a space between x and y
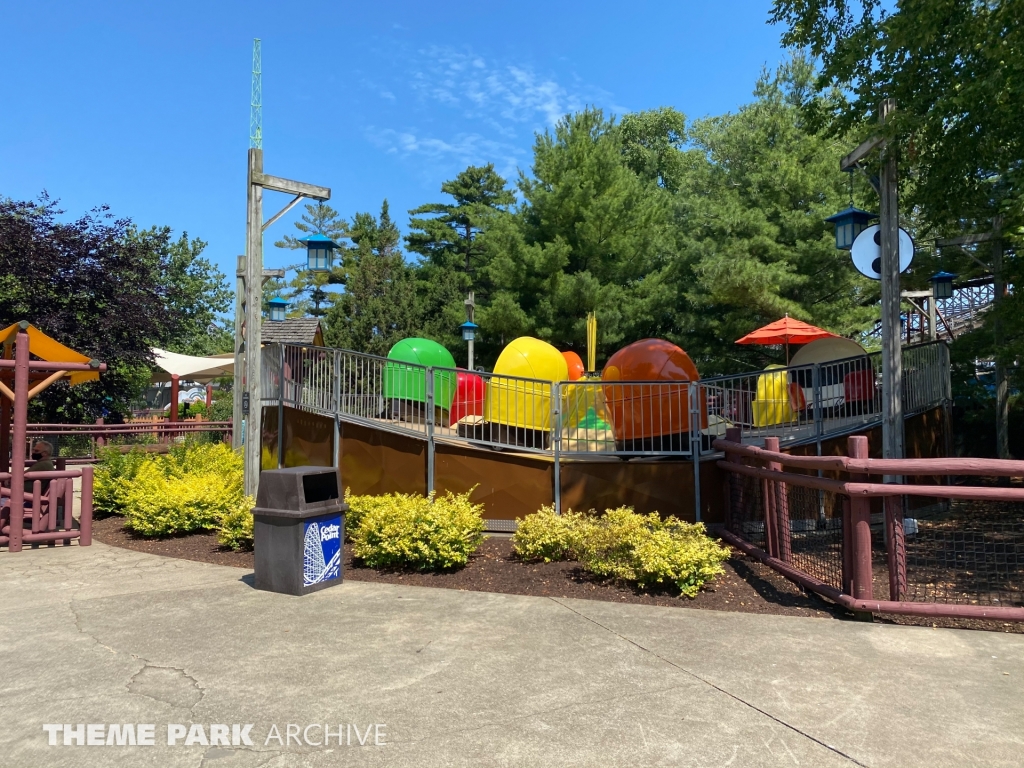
593, 417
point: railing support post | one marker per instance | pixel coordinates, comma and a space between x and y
556, 443
337, 408
780, 505
860, 527
695, 445
733, 502
771, 531
85, 521
895, 549
280, 411
430, 429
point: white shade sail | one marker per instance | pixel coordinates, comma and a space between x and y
201, 369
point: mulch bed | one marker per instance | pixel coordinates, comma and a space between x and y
747, 586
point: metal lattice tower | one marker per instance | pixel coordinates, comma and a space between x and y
256, 103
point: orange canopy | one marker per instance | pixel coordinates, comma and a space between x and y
50, 350
786, 331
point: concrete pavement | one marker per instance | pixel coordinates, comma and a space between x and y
102, 635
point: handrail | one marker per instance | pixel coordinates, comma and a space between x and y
876, 489
977, 467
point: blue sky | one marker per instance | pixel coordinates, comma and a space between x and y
146, 108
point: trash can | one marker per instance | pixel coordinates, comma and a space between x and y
299, 526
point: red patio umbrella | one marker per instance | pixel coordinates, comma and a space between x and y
785, 331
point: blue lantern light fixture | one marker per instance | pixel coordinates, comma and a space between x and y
942, 284
319, 252
849, 223
278, 306
469, 330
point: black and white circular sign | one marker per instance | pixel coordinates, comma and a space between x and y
867, 252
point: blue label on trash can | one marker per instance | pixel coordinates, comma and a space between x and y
321, 550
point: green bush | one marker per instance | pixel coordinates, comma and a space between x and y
421, 532
642, 549
195, 487
547, 536
113, 476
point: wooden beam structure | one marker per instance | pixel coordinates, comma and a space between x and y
850, 162
299, 188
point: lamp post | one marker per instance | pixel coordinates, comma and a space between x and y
469, 327
889, 229
468, 335
249, 304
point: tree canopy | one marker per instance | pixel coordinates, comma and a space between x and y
956, 71
108, 290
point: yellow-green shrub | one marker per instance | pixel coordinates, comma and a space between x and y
358, 506
235, 529
421, 532
648, 550
547, 535
114, 473
195, 487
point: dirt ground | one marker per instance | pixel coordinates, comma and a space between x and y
747, 586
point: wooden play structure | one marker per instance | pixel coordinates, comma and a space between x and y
30, 363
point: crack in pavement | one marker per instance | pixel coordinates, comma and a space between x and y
710, 684
539, 713
135, 680
162, 687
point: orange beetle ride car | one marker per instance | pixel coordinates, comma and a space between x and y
574, 364
651, 414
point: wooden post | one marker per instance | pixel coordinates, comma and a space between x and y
895, 547
5, 423
734, 502
175, 392
253, 320
209, 400
892, 362
85, 521
19, 436
238, 385
781, 505
1002, 386
768, 497
933, 332
860, 526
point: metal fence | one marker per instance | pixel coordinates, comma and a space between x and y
592, 417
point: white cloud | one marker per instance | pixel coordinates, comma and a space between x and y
496, 91
466, 148
448, 106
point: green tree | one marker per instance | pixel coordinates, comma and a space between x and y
452, 258
954, 68
307, 291
378, 307
588, 234
755, 191
109, 290
195, 291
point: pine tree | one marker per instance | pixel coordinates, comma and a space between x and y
378, 307
307, 292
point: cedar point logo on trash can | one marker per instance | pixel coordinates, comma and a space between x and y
321, 551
